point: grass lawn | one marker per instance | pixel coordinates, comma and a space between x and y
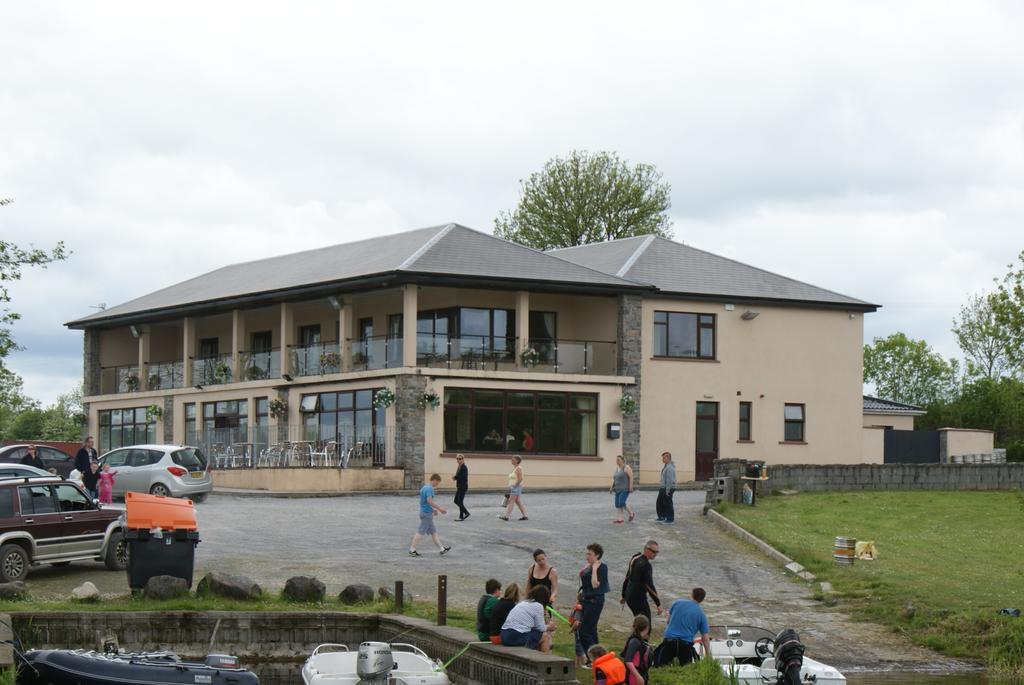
956, 558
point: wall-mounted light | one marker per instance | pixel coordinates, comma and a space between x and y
335, 302
749, 315
287, 377
135, 331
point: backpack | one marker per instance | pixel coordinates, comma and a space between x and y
641, 660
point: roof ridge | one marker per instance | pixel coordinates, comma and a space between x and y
628, 264
603, 242
411, 259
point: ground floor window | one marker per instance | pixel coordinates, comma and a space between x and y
225, 423
520, 421
122, 427
794, 420
347, 417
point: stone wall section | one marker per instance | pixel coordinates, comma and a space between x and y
630, 362
91, 372
410, 428
168, 423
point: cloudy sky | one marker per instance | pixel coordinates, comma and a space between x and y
871, 148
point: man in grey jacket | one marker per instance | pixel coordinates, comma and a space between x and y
666, 510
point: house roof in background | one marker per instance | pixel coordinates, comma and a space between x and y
679, 269
876, 405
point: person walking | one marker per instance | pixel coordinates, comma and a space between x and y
85, 455
461, 479
685, 620
622, 485
593, 587
515, 490
32, 458
639, 582
428, 509
666, 510
542, 573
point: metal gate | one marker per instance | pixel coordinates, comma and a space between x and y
911, 447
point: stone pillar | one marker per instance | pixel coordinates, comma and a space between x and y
91, 374
144, 338
629, 352
188, 328
522, 324
345, 323
237, 343
410, 428
287, 337
168, 423
409, 313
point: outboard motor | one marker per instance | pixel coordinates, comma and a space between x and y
789, 657
374, 663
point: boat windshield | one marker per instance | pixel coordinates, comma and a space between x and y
746, 633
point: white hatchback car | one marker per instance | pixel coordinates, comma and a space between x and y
169, 470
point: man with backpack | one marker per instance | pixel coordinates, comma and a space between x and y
639, 582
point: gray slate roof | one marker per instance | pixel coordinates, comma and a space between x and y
448, 250
876, 405
683, 270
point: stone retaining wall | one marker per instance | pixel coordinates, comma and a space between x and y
289, 636
822, 478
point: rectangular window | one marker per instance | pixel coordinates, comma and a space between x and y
684, 335
794, 418
348, 419
745, 411
123, 427
190, 424
520, 421
226, 422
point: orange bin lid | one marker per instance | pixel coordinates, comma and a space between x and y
145, 512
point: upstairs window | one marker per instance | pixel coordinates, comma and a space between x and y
684, 335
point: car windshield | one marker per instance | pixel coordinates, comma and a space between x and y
191, 458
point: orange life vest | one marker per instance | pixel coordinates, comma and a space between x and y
612, 667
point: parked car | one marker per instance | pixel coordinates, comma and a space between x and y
22, 471
48, 520
168, 470
51, 456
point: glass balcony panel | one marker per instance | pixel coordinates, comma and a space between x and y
256, 366
214, 370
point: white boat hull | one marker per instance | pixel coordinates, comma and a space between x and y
339, 668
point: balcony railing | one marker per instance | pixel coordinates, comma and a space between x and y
377, 352
165, 375
118, 379
258, 366
211, 370
315, 360
465, 352
574, 356
297, 446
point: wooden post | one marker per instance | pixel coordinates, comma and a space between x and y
399, 597
442, 600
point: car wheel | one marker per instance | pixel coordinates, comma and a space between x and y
160, 490
116, 558
14, 563
201, 497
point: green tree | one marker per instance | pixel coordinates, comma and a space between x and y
1008, 305
63, 419
907, 370
983, 338
13, 400
587, 198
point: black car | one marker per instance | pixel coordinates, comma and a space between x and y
51, 456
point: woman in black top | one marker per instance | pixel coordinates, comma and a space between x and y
500, 611
541, 573
461, 479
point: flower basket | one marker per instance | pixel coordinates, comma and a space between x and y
428, 399
330, 362
383, 399
131, 383
154, 413
222, 372
627, 405
254, 373
277, 408
154, 382
529, 356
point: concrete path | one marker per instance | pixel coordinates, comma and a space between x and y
364, 539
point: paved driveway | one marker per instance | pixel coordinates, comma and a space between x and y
365, 539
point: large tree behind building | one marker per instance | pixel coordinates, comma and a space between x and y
587, 198
907, 370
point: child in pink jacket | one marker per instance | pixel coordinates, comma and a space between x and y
106, 484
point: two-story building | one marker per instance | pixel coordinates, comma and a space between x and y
403, 350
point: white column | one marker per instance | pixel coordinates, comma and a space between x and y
344, 333
143, 357
522, 323
188, 348
286, 336
237, 343
409, 312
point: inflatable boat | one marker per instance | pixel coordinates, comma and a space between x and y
79, 667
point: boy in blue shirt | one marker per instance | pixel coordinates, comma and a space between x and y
428, 509
686, 620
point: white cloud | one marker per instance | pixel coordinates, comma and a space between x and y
871, 148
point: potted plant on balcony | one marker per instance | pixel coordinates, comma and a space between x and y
154, 413
627, 405
428, 399
222, 372
330, 362
254, 372
131, 383
529, 356
154, 381
383, 398
277, 408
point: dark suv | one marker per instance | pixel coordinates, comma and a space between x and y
54, 521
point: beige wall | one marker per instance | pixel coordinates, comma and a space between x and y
785, 355
218, 326
165, 343
310, 480
118, 347
873, 451
900, 423
962, 441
